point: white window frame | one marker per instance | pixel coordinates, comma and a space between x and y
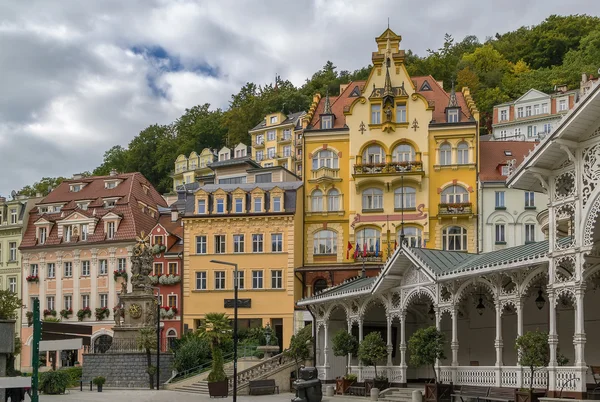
257, 242
85, 268
103, 300
277, 279
257, 279
529, 199
372, 199
325, 242
201, 245
445, 153
499, 199
85, 301
200, 280
401, 113
220, 244
410, 197
462, 153
67, 269
220, 278
238, 243
276, 242
103, 267
449, 240
530, 232
500, 233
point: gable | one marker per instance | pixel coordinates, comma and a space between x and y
532, 94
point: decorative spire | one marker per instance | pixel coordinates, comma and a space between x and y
387, 88
453, 102
327, 107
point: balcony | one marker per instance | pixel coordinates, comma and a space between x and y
325, 205
324, 174
372, 256
298, 142
455, 209
285, 139
257, 144
413, 167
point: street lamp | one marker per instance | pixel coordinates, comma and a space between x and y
157, 333
235, 319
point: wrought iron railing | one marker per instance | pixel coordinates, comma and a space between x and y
455, 208
391, 167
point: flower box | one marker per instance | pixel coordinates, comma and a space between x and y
33, 278
84, 312
66, 313
50, 312
101, 313
120, 274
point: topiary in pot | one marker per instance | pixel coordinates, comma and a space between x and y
426, 346
372, 349
217, 330
344, 344
99, 382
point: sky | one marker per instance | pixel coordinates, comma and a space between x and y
77, 77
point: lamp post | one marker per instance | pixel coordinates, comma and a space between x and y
157, 333
235, 321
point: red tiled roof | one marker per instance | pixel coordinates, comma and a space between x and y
132, 219
492, 154
337, 106
440, 98
171, 227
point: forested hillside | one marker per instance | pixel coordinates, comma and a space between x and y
501, 68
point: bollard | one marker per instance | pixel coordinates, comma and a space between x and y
329, 390
374, 394
417, 396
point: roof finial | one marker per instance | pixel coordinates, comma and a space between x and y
388, 22
327, 107
453, 101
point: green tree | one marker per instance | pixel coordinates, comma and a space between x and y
191, 351
10, 304
344, 344
426, 346
216, 329
299, 349
43, 187
533, 351
115, 158
146, 341
372, 349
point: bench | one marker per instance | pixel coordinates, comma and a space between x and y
356, 390
500, 394
495, 394
470, 392
263, 387
596, 376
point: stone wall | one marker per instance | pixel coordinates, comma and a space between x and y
124, 370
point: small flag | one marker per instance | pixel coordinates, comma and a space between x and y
377, 248
395, 244
356, 251
348, 250
365, 250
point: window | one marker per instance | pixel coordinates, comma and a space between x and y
517, 132
68, 269
200, 244
50, 302
453, 116
122, 264
85, 301
403, 153
529, 233
287, 151
258, 204
257, 243
413, 237
536, 109
276, 279
317, 201
103, 267
67, 233
503, 115
233, 180
462, 153
445, 154
110, 230
271, 153
529, 199
172, 301
276, 204
201, 206
33, 269
562, 105
500, 200
544, 108
401, 113
238, 243
85, 268
547, 128
68, 302
455, 195
368, 238
273, 119
333, 200
319, 285
520, 112
84, 232
43, 235
158, 268
12, 284
240, 276
259, 155
531, 131
103, 300
500, 233
13, 216
373, 154
372, 198
276, 242
201, 280
220, 244
260, 139
220, 280
12, 251
257, 279
527, 111
239, 205
405, 197
173, 268
325, 158
220, 206
325, 242
375, 114
263, 178
454, 238
326, 122
503, 134
504, 170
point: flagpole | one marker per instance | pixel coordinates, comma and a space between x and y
402, 213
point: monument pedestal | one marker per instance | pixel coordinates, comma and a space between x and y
139, 311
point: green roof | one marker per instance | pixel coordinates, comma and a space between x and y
352, 286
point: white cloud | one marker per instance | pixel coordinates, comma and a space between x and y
73, 85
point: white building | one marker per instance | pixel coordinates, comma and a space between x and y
508, 216
484, 301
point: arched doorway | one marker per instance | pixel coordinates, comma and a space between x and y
102, 344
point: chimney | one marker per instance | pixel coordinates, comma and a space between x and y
2, 199
584, 78
174, 214
113, 172
38, 195
77, 176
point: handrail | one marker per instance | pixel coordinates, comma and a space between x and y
263, 367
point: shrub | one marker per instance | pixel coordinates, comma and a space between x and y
9, 305
426, 346
99, 381
217, 372
191, 352
74, 375
54, 382
372, 349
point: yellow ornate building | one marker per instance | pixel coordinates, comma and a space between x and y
193, 168
391, 156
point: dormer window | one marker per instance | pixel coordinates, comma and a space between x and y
273, 120
67, 233
145, 188
240, 153
83, 205
239, 205
326, 122
452, 115
110, 185
110, 230
201, 207
42, 235
110, 203
84, 232
504, 170
220, 206
276, 204
75, 188
257, 204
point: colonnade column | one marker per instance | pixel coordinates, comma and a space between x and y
403, 345
390, 346
438, 326
360, 339
350, 354
498, 344
454, 345
326, 346
317, 344
552, 340
579, 336
519, 310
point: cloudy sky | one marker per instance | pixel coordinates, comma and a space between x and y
80, 76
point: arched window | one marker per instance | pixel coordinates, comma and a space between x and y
445, 154
462, 153
454, 238
319, 285
171, 338
454, 195
372, 198
413, 237
102, 343
325, 242
325, 158
368, 238
317, 201
373, 154
403, 153
333, 200
405, 197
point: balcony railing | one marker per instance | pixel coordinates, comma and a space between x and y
372, 256
285, 138
391, 167
457, 208
325, 173
257, 144
325, 204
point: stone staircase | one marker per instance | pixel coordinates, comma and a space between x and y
397, 394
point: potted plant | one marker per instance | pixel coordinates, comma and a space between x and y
217, 330
84, 312
9, 306
534, 353
426, 346
372, 349
344, 344
146, 342
99, 382
66, 313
